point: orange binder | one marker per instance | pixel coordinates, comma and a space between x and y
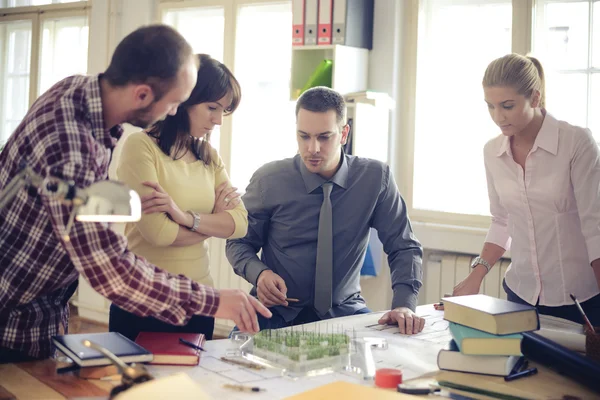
298, 22
325, 15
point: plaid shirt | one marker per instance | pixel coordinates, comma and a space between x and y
63, 135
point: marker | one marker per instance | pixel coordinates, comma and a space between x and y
241, 388
521, 374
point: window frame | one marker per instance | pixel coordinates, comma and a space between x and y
590, 70
37, 15
522, 42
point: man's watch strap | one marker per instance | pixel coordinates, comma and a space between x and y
480, 261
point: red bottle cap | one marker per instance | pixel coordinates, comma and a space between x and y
388, 378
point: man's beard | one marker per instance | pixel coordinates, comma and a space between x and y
142, 118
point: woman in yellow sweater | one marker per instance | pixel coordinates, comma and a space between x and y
185, 191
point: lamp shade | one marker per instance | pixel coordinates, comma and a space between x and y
109, 201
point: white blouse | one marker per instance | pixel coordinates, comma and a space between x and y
549, 215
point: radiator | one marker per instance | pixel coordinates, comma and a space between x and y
224, 278
442, 271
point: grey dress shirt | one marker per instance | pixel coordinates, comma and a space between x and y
283, 201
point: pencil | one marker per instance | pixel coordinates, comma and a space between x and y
585, 318
246, 364
242, 388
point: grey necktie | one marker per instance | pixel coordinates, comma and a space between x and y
324, 269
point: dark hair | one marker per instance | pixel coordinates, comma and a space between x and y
151, 55
323, 99
214, 82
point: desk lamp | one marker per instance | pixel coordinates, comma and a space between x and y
102, 201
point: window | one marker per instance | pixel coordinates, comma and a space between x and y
39, 45
567, 42
252, 39
15, 48
264, 126
25, 3
64, 50
456, 42
204, 29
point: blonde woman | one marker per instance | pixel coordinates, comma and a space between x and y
543, 179
186, 193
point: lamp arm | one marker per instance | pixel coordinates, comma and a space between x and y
27, 177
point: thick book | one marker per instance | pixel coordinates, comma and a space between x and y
119, 345
567, 362
476, 342
453, 360
491, 314
167, 348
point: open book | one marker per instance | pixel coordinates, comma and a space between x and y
562, 331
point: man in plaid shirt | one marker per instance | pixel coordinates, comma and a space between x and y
69, 133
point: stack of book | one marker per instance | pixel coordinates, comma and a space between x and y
487, 334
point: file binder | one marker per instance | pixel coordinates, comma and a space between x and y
311, 12
325, 17
297, 22
358, 16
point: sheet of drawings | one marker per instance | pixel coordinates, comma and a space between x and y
415, 355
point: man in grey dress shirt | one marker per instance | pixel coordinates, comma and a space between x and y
284, 200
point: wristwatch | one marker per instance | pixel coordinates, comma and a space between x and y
480, 261
196, 222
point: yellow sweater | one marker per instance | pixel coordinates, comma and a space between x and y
191, 186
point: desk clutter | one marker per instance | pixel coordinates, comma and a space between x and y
496, 337
390, 365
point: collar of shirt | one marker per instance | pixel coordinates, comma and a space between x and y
108, 137
313, 181
546, 139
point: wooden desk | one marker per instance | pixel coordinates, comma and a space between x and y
38, 380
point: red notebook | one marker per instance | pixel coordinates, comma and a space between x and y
167, 348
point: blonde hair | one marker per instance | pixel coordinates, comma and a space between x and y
524, 73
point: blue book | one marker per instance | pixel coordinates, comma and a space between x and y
128, 351
476, 342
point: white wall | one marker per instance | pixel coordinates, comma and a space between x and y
377, 290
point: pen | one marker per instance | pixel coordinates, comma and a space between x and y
517, 367
190, 344
241, 388
116, 377
291, 300
521, 374
68, 368
585, 318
